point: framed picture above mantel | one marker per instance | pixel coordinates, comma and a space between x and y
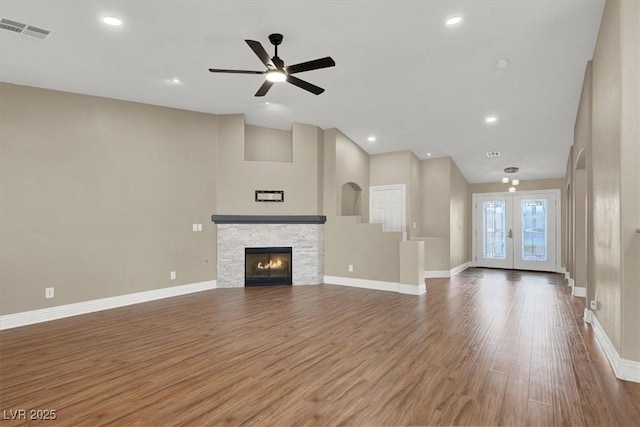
269, 196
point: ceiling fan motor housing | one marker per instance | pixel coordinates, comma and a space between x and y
276, 38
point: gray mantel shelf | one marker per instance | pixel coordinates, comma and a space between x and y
268, 219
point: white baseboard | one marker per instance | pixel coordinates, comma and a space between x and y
435, 274
378, 285
587, 315
61, 311
628, 370
578, 291
460, 268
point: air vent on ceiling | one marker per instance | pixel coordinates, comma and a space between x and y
24, 29
14, 26
36, 32
493, 154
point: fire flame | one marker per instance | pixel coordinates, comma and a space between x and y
271, 264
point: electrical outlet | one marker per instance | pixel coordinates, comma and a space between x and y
173, 275
48, 292
195, 227
593, 304
351, 268
199, 227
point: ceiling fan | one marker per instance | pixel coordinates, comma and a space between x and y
276, 70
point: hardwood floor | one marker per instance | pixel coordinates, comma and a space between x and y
476, 350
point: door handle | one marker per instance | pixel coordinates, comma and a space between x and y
510, 234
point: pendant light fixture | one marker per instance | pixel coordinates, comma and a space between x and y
512, 170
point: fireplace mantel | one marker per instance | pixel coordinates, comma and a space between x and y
269, 219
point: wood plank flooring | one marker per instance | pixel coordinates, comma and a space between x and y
478, 349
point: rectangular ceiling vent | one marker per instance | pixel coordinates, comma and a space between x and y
24, 29
16, 27
493, 154
36, 32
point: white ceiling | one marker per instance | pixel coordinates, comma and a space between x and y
400, 74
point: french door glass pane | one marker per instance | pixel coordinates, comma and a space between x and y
494, 219
534, 230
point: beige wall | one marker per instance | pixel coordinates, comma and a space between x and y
460, 220
525, 185
614, 177
437, 254
630, 179
99, 197
446, 214
401, 167
327, 165
373, 253
415, 213
239, 179
351, 165
436, 189
606, 171
267, 145
579, 218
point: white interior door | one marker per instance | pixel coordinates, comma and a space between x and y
518, 231
387, 207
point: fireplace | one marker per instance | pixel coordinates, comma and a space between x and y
267, 266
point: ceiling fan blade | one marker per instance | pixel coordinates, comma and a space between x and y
264, 88
257, 48
217, 70
305, 85
311, 65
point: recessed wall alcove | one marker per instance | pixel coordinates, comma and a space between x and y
351, 199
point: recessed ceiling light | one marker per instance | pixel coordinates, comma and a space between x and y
502, 63
428, 154
176, 81
491, 119
371, 139
454, 20
112, 20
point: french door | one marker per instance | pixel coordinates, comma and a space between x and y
517, 231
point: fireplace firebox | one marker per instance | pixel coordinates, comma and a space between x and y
267, 266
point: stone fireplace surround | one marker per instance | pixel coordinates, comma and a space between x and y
303, 233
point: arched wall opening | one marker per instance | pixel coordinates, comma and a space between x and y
351, 199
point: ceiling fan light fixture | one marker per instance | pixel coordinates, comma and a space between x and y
276, 76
